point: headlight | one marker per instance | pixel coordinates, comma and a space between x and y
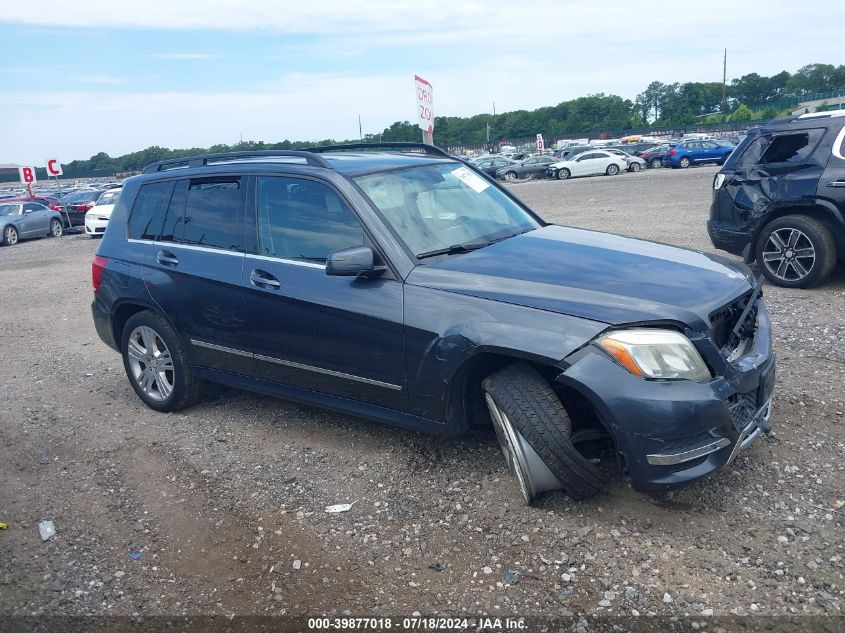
655, 354
718, 181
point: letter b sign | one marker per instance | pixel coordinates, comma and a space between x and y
27, 175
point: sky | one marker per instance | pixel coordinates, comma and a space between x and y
81, 77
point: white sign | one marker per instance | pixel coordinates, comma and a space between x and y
27, 175
425, 104
54, 167
540, 145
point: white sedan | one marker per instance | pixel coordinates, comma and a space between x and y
98, 216
589, 163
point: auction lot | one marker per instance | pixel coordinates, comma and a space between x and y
225, 501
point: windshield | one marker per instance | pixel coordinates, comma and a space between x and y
438, 206
10, 209
110, 197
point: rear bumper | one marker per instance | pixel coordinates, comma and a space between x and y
728, 237
670, 433
102, 322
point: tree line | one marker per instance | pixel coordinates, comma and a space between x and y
660, 105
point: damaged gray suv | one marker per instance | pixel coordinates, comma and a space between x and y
780, 199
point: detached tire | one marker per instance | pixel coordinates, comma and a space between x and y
796, 251
529, 404
156, 363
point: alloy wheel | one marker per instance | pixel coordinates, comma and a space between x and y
56, 228
789, 254
151, 363
10, 236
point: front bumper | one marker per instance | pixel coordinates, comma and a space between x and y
670, 433
95, 226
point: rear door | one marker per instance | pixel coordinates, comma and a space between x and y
342, 336
832, 181
195, 266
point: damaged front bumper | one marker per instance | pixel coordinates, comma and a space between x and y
671, 432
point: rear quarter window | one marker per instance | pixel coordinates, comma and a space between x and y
794, 147
146, 215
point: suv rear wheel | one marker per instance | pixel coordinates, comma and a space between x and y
155, 362
796, 251
535, 433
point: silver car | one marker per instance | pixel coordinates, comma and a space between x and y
25, 220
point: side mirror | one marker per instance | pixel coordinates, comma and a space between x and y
351, 262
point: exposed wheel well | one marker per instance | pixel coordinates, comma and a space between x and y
837, 230
466, 400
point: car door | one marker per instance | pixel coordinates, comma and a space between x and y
593, 163
194, 266
37, 218
341, 336
832, 182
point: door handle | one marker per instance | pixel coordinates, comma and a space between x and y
263, 279
167, 258
836, 183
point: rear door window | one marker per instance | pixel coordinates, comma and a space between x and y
795, 147
146, 216
214, 213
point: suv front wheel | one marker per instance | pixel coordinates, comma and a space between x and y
796, 251
156, 363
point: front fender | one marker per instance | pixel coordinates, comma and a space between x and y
445, 331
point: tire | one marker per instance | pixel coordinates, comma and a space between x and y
635, 167
56, 229
510, 176
612, 170
173, 386
563, 174
780, 246
656, 163
533, 409
684, 163
10, 236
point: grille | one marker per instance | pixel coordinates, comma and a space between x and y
742, 408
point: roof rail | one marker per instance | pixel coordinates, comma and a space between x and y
201, 160
818, 115
431, 150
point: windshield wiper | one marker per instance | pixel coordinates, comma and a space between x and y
454, 249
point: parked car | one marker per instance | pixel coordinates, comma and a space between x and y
696, 152
635, 163
491, 164
97, 217
779, 200
589, 164
27, 220
76, 205
404, 287
528, 168
653, 156
48, 201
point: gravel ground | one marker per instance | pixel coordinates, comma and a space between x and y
220, 509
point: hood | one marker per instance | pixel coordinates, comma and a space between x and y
598, 276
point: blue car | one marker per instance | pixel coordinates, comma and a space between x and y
399, 284
697, 152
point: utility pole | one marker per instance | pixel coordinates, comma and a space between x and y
494, 108
724, 85
488, 131
360, 129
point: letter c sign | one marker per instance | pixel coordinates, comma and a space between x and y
54, 167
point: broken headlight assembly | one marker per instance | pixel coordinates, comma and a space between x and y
655, 353
718, 181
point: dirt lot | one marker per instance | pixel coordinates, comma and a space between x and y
225, 501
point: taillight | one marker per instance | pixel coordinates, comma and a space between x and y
671, 152
98, 265
55, 207
86, 206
